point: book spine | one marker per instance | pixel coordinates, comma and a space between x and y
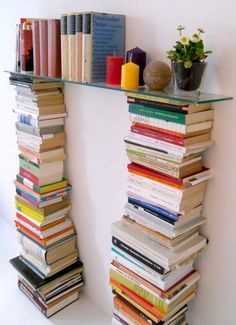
140, 257
36, 46
28, 183
158, 123
154, 208
138, 288
26, 174
64, 48
29, 166
17, 48
157, 135
78, 47
26, 48
157, 113
33, 298
86, 47
43, 41
25, 127
54, 48
158, 105
71, 46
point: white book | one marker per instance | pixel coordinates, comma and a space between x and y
163, 256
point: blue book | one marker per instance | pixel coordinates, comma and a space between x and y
155, 208
102, 35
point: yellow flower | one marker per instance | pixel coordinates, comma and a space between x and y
195, 38
184, 40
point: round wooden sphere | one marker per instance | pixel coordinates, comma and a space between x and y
157, 75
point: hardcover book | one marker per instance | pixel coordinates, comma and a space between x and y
103, 35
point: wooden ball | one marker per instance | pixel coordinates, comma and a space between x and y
157, 75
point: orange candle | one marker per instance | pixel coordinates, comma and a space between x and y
130, 76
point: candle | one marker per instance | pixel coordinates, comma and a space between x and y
137, 56
113, 69
129, 76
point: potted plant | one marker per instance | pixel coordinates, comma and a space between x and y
187, 59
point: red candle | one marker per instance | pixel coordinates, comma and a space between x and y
113, 69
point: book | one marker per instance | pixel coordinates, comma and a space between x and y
152, 250
166, 126
56, 306
166, 104
111, 29
36, 281
50, 237
39, 131
64, 47
78, 46
36, 46
26, 47
41, 189
71, 18
40, 255
43, 46
174, 117
54, 48
42, 157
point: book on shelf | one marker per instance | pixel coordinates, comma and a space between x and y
54, 48
96, 26
64, 47
43, 47
71, 21
78, 46
33, 83
26, 47
36, 46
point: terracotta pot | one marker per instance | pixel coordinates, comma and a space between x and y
188, 79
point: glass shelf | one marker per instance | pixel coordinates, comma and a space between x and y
196, 97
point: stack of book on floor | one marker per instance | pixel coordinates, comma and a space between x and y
50, 272
154, 246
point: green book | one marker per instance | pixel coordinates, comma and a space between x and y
157, 113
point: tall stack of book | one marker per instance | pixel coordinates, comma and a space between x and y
154, 246
50, 272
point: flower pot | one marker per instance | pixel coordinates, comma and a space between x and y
188, 78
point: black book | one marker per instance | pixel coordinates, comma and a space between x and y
33, 278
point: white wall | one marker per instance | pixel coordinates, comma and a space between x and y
97, 122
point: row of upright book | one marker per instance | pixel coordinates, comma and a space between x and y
154, 246
49, 269
73, 47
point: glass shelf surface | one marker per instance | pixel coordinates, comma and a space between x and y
193, 97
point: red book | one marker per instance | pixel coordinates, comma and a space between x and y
36, 46
149, 173
43, 45
34, 179
26, 48
157, 135
54, 48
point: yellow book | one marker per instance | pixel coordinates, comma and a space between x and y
131, 301
52, 187
29, 212
163, 305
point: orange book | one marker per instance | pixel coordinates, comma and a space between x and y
45, 242
120, 305
54, 48
143, 303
